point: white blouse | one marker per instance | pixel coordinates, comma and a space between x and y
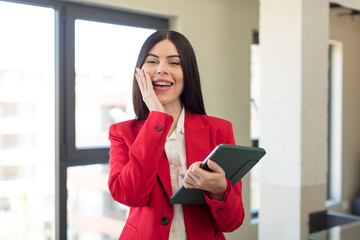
176, 154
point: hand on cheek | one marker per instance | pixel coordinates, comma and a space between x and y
147, 91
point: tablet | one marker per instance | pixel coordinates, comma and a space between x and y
235, 160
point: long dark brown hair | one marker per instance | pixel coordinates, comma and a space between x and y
191, 97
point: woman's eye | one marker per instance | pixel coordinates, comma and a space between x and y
175, 63
150, 61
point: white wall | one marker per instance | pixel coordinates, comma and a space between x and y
221, 34
347, 31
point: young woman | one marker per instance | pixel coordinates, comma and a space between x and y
152, 155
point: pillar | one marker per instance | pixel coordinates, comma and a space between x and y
294, 63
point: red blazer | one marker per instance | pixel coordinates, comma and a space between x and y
140, 177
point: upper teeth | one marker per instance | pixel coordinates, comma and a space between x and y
162, 83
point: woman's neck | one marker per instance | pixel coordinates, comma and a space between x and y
175, 113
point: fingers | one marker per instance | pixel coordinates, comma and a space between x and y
147, 91
213, 182
214, 166
149, 86
196, 177
144, 81
192, 177
189, 182
139, 75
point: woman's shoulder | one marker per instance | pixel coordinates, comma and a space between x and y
220, 129
124, 125
212, 120
213, 123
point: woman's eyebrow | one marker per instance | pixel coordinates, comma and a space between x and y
153, 55
170, 56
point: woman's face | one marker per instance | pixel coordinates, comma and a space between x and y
163, 65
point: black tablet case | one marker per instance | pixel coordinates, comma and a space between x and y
236, 162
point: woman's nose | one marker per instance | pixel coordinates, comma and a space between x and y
162, 69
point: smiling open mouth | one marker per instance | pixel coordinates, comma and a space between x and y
162, 84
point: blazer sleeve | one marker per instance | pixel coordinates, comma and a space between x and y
133, 165
229, 214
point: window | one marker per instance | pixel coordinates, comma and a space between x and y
254, 122
335, 123
105, 56
27, 122
65, 77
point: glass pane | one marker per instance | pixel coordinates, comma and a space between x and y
92, 213
255, 125
27, 122
105, 57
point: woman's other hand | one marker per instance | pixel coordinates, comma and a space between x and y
214, 182
147, 91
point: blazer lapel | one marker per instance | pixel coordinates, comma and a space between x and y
163, 173
196, 138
